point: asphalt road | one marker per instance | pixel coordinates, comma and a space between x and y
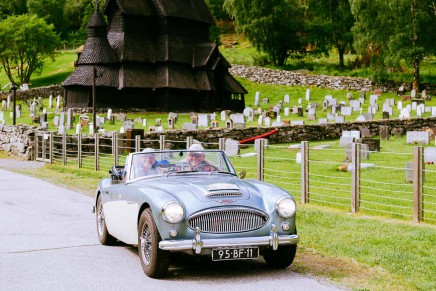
48, 241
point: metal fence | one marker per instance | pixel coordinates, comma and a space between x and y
394, 184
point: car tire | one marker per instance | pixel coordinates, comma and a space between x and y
103, 235
154, 261
282, 257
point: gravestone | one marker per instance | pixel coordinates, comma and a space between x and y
300, 101
295, 110
300, 111
267, 121
4, 108
286, 99
61, 129
400, 105
265, 100
331, 116
373, 144
297, 122
430, 155
144, 122
322, 121
189, 126
307, 94
229, 123
364, 152
170, 122
203, 120
404, 114
365, 132
157, 123
413, 93
224, 115
256, 98
414, 105
344, 140
238, 117
78, 128
272, 114
373, 99
84, 120
260, 120
215, 124
361, 118
385, 115
56, 120
231, 147
128, 125
311, 114
384, 132
286, 111
70, 118
286, 122
418, 137
194, 118
339, 119
346, 111
239, 125
277, 123
433, 111
50, 101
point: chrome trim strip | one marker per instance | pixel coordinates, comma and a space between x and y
179, 245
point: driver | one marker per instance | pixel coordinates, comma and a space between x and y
197, 160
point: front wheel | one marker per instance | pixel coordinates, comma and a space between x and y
103, 235
154, 261
282, 257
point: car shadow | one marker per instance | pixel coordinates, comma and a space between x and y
187, 267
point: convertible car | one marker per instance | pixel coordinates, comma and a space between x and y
201, 208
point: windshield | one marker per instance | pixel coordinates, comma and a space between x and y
180, 161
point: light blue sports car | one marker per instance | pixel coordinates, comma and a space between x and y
194, 202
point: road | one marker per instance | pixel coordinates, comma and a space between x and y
48, 241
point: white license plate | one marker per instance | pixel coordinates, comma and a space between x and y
235, 253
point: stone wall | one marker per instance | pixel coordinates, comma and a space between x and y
17, 141
289, 78
35, 93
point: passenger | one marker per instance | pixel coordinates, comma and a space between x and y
144, 164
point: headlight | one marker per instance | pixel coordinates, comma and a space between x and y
285, 207
173, 212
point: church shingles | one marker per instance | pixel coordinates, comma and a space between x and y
153, 54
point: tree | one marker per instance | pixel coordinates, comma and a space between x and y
26, 41
331, 23
12, 7
275, 27
395, 30
52, 11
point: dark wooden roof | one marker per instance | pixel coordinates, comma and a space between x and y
83, 76
234, 86
195, 10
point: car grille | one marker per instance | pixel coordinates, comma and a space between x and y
228, 220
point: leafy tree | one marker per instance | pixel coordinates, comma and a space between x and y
330, 24
275, 27
395, 30
216, 7
52, 11
12, 7
25, 42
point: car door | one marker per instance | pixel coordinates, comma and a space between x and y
128, 209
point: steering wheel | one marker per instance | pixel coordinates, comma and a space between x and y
203, 167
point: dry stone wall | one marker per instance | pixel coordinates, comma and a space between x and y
18, 140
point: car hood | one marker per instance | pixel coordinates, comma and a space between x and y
216, 189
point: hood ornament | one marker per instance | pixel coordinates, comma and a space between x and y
227, 201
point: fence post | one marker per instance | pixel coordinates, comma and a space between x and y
418, 181
51, 147
43, 148
259, 144
189, 141
222, 143
115, 147
79, 150
35, 145
96, 151
64, 149
355, 177
304, 172
162, 142
137, 143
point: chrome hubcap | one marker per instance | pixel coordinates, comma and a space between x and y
146, 250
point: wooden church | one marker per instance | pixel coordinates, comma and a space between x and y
153, 55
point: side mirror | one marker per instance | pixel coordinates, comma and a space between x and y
242, 174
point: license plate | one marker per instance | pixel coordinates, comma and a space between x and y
235, 253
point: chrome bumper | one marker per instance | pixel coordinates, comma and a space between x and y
197, 244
